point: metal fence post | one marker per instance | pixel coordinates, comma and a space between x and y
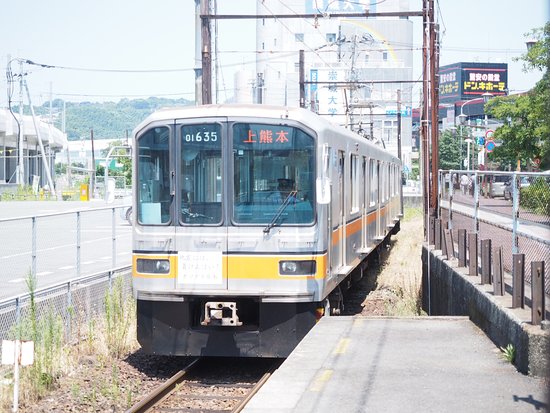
472, 253
113, 234
437, 241
461, 247
451, 193
485, 261
69, 310
498, 285
432, 231
476, 203
449, 244
33, 247
537, 292
78, 243
18, 316
515, 215
518, 280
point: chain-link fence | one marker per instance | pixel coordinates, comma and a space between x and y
76, 302
510, 208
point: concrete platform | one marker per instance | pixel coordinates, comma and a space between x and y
424, 364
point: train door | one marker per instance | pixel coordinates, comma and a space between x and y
201, 237
338, 216
364, 207
379, 185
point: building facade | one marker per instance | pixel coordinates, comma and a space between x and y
23, 161
352, 66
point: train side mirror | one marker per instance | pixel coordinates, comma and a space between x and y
323, 191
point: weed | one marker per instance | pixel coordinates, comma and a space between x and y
411, 213
119, 312
509, 353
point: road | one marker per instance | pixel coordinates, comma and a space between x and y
104, 238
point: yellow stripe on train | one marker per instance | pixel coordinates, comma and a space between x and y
258, 267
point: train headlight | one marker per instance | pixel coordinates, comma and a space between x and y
153, 266
307, 267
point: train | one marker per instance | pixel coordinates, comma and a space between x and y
249, 222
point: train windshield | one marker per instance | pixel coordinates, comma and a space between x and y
201, 174
153, 173
274, 172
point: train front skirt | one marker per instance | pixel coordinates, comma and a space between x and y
268, 330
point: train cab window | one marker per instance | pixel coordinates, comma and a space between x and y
274, 175
153, 183
200, 174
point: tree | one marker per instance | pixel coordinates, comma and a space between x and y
525, 134
450, 153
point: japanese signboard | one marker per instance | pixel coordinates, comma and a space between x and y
330, 96
340, 6
463, 81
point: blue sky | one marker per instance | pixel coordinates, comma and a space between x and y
152, 35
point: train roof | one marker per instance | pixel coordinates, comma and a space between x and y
304, 116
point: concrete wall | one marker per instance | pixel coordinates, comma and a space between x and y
448, 290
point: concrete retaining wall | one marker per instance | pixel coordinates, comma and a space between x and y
448, 290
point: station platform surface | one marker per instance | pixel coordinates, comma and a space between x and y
424, 364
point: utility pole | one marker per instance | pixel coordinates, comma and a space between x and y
20, 161
206, 53
92, 177
399, 148
399, 124
424, 157
434, 98
198, 57
302, 79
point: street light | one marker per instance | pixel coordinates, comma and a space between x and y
467, 163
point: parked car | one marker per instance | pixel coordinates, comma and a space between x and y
524, 182
496, 185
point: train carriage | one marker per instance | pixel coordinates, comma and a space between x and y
248, 219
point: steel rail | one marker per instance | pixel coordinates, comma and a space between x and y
161, 392
252, 392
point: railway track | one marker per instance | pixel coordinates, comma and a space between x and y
209, 390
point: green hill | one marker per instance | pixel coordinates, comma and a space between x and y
109, 120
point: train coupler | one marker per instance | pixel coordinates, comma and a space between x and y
221, 313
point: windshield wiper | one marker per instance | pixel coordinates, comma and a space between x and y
186, 211
286, 202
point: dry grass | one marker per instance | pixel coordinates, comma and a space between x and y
398, 285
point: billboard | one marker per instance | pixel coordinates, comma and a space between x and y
468, 80
338, 6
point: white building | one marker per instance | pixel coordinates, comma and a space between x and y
32, 159
370, 52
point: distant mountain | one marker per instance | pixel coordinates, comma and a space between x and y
109, 120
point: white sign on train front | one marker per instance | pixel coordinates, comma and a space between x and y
204, 267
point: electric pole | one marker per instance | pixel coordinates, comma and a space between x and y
302, 79
434, 98
198, 56
206, 53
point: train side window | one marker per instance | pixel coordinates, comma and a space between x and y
373, 182
354, 184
